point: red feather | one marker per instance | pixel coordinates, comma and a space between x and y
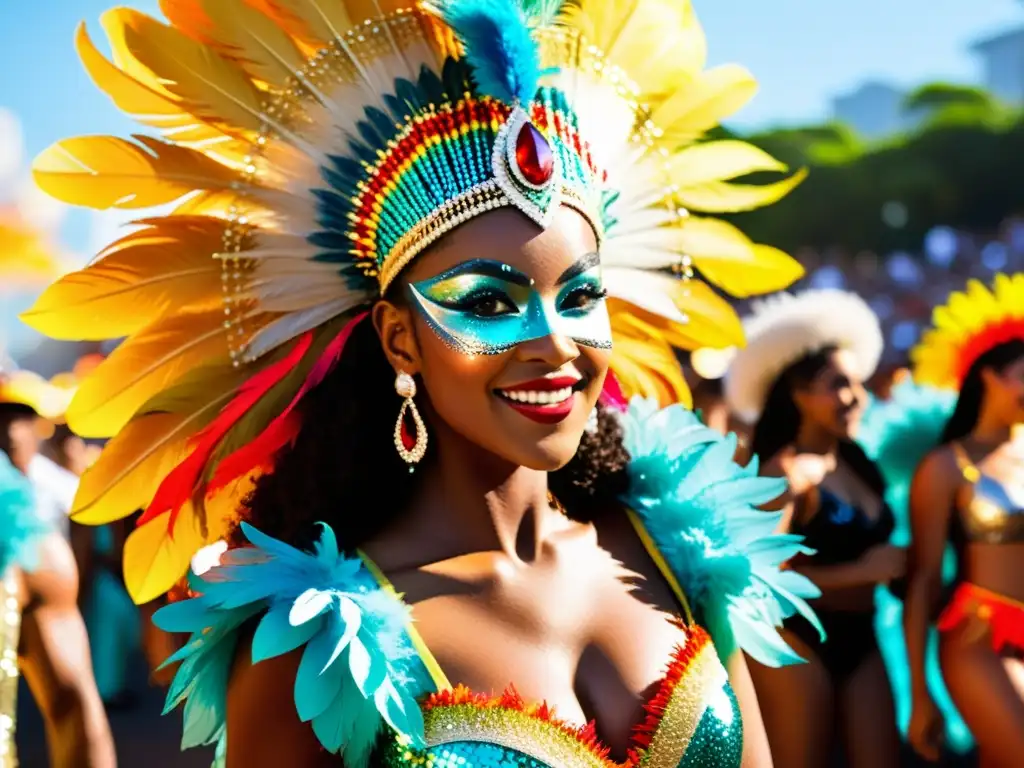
986, 339
177, 487
283, 429
612, 395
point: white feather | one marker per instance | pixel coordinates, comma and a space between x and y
651, 291
288, 327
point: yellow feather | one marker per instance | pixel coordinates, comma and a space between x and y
107, 172
189, 17
643, 362
723, 197
217, 204
114, 23
719, 161
315, 21
710, 320
702, 104
658, 43
131, 466
142, 277
128, 94
136, 460
144, 365
244, 34
207, 85
727, 258
154, 560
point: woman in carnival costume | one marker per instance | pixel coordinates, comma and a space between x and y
42, 635
897, 433
970, 490
800, 381
407, 321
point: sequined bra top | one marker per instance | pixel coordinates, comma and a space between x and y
692, 719
995, 513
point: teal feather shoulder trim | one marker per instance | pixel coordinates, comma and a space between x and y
20, 527
354, 675
700, 509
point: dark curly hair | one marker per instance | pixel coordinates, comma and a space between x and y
343, 468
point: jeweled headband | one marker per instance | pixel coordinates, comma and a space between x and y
309, 149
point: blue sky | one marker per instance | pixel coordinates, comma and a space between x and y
803, 51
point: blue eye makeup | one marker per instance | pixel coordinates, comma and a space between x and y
485, 307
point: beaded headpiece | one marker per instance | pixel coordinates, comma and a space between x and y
310, 149
968, 325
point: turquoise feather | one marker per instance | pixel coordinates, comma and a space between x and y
701, 510
354, 675
498, 47
20, 527
898, 433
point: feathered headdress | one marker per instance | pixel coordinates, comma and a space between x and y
786, 327
970, 324
311, 148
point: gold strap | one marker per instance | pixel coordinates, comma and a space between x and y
659, 561
426, 657
963, 461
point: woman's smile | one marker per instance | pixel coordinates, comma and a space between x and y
547, 400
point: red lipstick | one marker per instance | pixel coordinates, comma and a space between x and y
546, 401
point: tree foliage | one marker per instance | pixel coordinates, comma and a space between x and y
962, 167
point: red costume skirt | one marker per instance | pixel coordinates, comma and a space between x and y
1003, 616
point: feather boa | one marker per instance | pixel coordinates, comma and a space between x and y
20, 527
700, 509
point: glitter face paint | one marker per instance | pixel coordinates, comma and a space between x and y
484, 307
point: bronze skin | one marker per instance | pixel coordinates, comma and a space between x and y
504, 587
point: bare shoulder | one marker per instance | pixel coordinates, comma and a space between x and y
263, 726
54, 581
939, 468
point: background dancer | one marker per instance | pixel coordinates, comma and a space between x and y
801, 380
970, 490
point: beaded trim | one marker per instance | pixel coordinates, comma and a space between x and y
10, 629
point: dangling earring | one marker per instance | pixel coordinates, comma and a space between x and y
592, 423
409, 448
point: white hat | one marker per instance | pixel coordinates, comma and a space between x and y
787, 327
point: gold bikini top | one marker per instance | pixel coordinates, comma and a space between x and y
995, 513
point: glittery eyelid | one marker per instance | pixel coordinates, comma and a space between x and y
498, 270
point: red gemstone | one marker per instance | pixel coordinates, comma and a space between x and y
408, 438
533, 155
